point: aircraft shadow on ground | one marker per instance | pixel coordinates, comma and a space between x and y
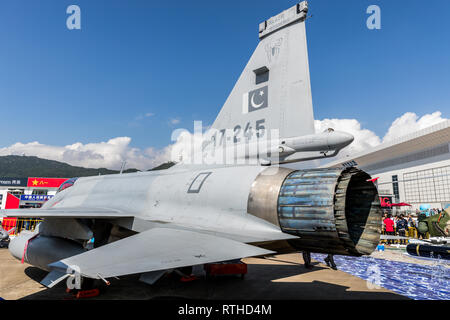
260, 283
35, 274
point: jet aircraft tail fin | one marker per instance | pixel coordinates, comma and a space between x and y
273, 91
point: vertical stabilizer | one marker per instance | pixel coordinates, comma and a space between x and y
274, 90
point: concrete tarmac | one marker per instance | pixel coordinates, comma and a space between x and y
281, 277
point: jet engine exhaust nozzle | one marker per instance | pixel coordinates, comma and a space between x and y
331, 210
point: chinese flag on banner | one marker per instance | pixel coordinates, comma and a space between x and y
45, 182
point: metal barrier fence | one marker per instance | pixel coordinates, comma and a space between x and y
15, 225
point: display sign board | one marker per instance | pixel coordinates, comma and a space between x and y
35, 197
386, 201
45, 182
13, 182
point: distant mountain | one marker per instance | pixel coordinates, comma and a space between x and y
25, 166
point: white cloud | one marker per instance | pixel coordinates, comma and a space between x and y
109, 154
365, 139
410, 122
112, 153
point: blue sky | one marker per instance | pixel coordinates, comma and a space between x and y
180, 59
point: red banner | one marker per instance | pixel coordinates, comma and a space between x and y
45, 182
12, 202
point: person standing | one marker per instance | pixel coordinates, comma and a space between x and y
410, 221
329, 260
395, 219
382, 222
383, 226
307, 259
411, 226
389, 223
402, 225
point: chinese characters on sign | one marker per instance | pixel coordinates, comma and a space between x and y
35, 197
45, 182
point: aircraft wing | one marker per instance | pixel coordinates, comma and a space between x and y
67, 213
155, 249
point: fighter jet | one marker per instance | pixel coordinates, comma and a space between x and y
201, 211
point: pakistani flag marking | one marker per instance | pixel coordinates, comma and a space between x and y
255, 100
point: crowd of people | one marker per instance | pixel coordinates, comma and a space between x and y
404, 225
398, 225
430, 212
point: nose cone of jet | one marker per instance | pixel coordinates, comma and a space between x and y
339, 139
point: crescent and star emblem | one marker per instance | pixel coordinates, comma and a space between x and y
254, 105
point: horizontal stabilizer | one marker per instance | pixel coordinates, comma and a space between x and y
155, 249
53, 278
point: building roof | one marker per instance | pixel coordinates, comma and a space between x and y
429, 142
